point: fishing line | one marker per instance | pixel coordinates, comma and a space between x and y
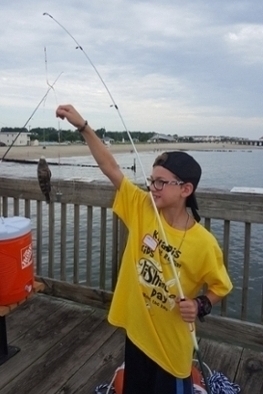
58, 193
52, 87
44, 102
107, 89
176, 278
30, 117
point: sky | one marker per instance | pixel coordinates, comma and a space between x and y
185, 67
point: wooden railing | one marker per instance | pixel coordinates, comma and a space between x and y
79, 242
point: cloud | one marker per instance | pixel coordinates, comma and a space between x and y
193, 67
246, 42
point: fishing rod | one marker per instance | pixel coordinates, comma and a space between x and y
175, 274
31, 116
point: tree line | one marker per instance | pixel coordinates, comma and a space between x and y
51, 134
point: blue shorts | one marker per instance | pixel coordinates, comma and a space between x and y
144, 376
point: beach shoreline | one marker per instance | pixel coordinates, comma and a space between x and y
76, 150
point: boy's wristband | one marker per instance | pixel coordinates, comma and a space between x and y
204, 307
82, 128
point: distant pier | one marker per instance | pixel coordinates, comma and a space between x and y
247, 142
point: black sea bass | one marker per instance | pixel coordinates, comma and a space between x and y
44, 177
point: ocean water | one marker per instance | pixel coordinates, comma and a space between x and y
220, 170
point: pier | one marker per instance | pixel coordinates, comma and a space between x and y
66, 344
247, 142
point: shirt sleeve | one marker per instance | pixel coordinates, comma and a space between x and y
217, 278
127, 200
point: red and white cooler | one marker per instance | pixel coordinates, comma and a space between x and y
16, 259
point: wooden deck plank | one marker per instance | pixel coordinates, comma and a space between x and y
246, 334
221, 357
75, 292
30, 314
41, 338
250, 372
71, 348
105, 360
6, 309
54, 368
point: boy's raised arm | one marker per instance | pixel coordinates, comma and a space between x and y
101, 154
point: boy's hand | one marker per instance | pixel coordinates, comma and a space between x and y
69, 112
188, 309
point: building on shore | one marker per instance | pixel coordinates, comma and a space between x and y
161, 138
20, 139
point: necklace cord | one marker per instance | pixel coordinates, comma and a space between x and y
184, 234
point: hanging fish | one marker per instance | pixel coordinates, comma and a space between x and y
44, 176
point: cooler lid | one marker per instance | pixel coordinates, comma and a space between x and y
14, 227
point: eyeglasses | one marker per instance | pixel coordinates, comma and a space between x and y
159, 183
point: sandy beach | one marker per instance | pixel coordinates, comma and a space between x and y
55, 151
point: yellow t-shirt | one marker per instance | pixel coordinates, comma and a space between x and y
144, 298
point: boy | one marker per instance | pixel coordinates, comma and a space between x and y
146, 301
